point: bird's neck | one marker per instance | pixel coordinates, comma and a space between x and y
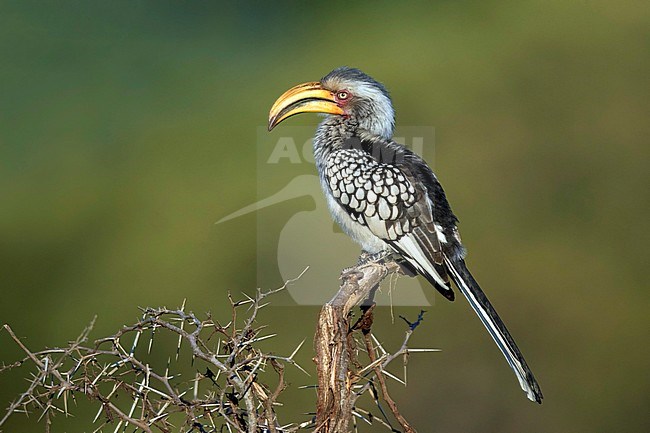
379, 123
336, 132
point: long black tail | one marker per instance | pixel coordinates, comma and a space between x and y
495, 326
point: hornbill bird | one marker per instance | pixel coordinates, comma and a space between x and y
385, 197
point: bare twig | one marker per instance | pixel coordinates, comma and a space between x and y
384, 389
233, 390
229, 387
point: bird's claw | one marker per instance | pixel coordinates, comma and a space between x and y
366, 257
349, 272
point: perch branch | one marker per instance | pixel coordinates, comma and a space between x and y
333, 345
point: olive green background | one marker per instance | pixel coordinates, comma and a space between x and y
128, 128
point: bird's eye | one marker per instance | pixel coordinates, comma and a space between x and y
342, 95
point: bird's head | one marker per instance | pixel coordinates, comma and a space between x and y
345, 92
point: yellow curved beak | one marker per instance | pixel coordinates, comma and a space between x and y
303, 98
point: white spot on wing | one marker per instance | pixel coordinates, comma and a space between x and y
440, 233
384, 209
377, 226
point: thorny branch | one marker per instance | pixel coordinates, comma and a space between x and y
229, 391
232, 389
341, 377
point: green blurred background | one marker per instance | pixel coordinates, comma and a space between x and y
127, 129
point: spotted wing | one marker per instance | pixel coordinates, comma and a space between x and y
394, 206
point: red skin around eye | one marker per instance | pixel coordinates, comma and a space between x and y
342, 102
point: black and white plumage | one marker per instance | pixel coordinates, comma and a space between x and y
385, 197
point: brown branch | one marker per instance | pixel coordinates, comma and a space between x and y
271, 419
235, 396
384, 389
235, 374
43, 372
124, 417
333, 347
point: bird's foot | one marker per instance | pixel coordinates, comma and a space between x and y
350, 272
367, 257
364, 259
